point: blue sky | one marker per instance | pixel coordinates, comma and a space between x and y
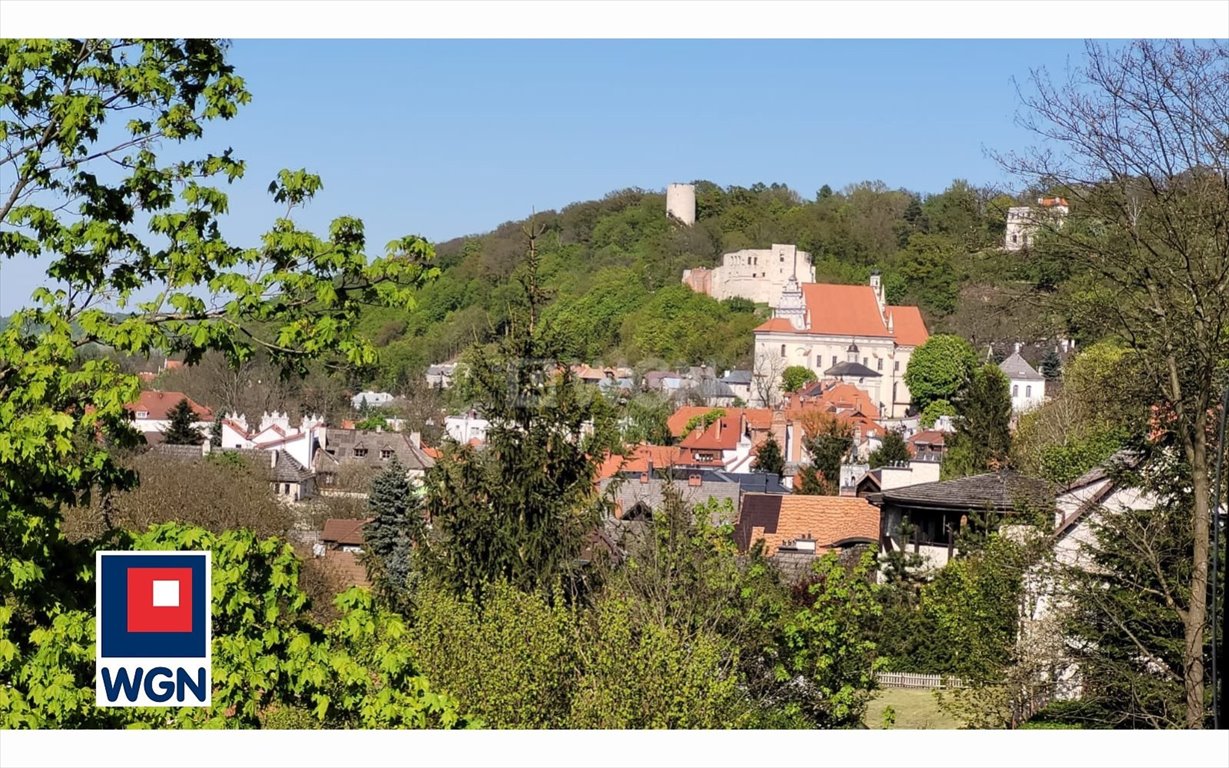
445, 137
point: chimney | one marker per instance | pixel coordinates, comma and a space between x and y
416, 439
1018, 345
272, 459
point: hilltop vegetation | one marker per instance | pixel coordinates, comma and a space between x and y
611, 269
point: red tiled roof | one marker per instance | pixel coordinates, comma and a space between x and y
158, 404
841, 396
929, 436
851, 310
910, 329
662, 456
343, 531
678, 420
827, 519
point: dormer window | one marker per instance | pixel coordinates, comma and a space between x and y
360, 452
142, 414
386, 454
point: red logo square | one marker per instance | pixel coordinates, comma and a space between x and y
159, 599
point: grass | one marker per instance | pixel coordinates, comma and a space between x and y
916, 708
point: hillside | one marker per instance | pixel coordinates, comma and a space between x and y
613, 267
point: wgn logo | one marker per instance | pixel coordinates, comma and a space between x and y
153, 629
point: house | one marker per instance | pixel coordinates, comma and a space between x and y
894, 476
739, 383
1023, 222
370, 400
340, 546
275, 432
1028, 387
467, 427
440, 375
811, 525
352, 456
288, 479
640, 491
927, 445
815, 325
727, 442
152, 413
936, 512
610, 384
757, 275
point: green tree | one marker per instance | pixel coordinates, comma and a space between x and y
768, 457
266, 655
115, 221
893, 450
795, 377
215, 434
1051, 365
396, 520
519, 509
182, 430
829, 442
929, 266
938, 369
831, 651
648, 420
1128, 142
704, 420
933, 411
982, 441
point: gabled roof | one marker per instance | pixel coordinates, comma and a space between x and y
851, 369
340, 531
1016, 367
341, 443
662, 456
737, 377
827, 519
158, 404
851, 310
287, 469
997, 491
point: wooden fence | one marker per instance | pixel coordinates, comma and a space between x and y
913, 680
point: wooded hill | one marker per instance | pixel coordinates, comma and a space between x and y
613, 269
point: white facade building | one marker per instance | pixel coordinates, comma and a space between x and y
372, 400
848, 330
275, 432
466, 427
1024, 221
1028, 387
755, 274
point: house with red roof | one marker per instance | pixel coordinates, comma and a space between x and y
846, 333
276, 432
152, 413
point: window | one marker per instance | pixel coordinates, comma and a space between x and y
834, 361
782, 350
864, 360
782, 259
1015, 390
1028, 390
360, 452
142, 414
896, 366
879, 363
386, 454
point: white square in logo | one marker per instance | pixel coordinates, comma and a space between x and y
166, 594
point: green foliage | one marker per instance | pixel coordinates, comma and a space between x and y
266, 655
1051, 365
933, 411
938, 369
769, 458
893, 450
396, 520
929, 267
795, 377
704, 420
181, 430
829, 441
647, 420
372, 422
982, 441
830, 650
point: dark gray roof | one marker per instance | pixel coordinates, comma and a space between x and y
340, 445
757, 482
288, 470
737, 377
713, 388
851, 369
177, 452
1000, 491
1017, 367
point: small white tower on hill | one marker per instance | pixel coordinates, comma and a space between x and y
681, 202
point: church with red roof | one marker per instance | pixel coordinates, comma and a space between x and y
843, 332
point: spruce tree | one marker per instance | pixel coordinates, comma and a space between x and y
768, 458
215, 437
181, 430
982, 441
1051, 366
892, 451
395, 521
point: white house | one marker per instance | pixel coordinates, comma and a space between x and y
1028, 387
1024, 221
275, 432
466, 427
846, 332
370, 400
152, 409
758, 275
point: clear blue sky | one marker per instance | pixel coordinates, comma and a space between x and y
445, 138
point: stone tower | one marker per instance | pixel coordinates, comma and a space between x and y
681, 202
